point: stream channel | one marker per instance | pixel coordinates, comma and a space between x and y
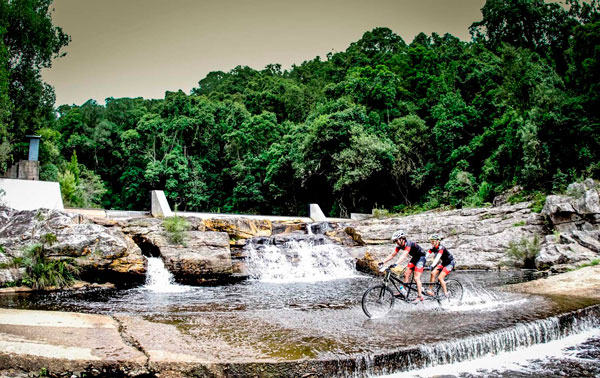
302, 307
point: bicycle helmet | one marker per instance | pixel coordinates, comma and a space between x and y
435, 237
398, 235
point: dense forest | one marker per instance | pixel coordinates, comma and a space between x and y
383, 124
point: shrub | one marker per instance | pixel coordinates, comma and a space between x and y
380, 213
42, 272
522, 254
176, 227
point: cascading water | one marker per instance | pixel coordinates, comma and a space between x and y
307, 259
491, 344
159, 279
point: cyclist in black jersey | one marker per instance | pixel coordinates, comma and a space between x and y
445, 259
417, 259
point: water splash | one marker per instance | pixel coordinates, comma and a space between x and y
160, 280
299, 261
527, 361
467, 353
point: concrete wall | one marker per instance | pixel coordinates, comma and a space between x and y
30, 195
24, 170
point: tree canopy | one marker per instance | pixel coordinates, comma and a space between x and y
438, 121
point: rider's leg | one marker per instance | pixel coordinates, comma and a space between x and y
443, 282
419, 284
434, 274
407, 272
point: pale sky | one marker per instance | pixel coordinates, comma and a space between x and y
143, 48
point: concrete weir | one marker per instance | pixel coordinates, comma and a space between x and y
129, 346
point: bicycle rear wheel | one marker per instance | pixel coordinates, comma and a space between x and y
455, 293
377, 301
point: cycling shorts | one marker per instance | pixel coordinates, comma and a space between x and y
447, 268
417, 264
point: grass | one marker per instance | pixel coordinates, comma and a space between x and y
538, 199
42, 273
593, 262
522, 254
519, 224
176, 226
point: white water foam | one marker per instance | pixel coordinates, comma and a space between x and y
519, 360
160, 280
300, 261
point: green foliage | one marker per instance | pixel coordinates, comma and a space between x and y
42, 272
28, 43
519, 224
592, 262
538, 200
176, 227
410, 127
522, 254
79, 186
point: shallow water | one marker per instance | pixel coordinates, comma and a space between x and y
323, 320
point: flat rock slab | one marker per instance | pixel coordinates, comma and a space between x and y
60, 341
584, 282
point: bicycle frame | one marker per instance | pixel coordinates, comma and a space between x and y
411, 286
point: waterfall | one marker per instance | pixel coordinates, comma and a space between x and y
308, 259
159, 279
513, 338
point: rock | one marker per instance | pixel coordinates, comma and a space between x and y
561, 257
204, 257
582, 282
103, 254
239, 228
478, 238
288, 227
10, 275
502, 199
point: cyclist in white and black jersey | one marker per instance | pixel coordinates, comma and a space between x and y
442, 264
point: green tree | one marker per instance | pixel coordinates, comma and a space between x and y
30, 43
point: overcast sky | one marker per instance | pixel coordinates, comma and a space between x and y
133, 48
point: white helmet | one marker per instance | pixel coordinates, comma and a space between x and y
436, 237
398, 235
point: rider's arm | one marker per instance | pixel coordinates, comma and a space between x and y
436, 259
391, 256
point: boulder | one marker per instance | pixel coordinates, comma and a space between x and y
103, 254
201, 257
478, 238
204, 257
575, 218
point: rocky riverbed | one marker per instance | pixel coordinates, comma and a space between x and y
215, 250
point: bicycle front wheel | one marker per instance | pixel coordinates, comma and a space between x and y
377, 301
455, 293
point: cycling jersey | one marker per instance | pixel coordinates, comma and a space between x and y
414, 250
446, 257
417, 256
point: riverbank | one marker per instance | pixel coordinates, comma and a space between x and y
584, 282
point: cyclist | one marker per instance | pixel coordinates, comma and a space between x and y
446, 262
417, 259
